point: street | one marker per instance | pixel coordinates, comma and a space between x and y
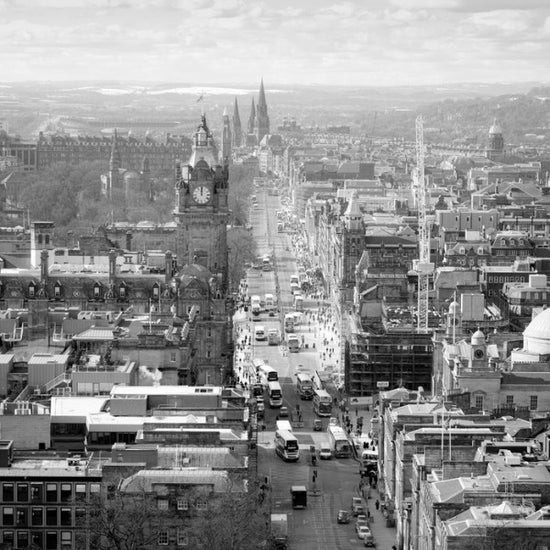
337, 480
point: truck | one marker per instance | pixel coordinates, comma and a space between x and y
255, 305
273, 336
298, 495
279, 531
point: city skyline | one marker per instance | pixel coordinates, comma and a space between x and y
378, 42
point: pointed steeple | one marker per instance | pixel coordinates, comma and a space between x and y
262, 104
237, 129
261, 125
252, 118
226, 140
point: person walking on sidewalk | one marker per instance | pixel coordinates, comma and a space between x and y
377, 504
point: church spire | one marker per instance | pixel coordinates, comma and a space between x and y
237, 129
114, 161
252, 118
262, 104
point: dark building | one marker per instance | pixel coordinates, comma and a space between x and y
261, 122
227, 140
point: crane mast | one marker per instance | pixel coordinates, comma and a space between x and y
422, 266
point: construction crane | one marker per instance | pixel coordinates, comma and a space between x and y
422, 266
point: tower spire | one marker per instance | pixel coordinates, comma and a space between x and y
261, 126
237, 129
261, 99
252, 118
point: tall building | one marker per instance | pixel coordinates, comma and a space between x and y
115, 164
261, 122
495, 146
201, 208
252, 118
237, 128
226, 139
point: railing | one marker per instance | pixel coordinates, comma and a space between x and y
63, 377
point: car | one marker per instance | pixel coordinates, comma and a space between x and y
361, 523
325, 453
317, 425
356, 504
368, 541
343, 516
283, 412
363, 531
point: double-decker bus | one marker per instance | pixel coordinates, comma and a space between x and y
283, 426
286, 445
269, 374
322, 403
293, 343
304, 386
275, 395
339, 442
289, 322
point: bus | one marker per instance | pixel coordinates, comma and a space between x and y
369, 462
289, 322
283, 426
273, 337
293, 343
339, 442
255, 305
299, 302
275, 395
269, 302
286, 445
322, 403
259, 333
304, 386
269, 374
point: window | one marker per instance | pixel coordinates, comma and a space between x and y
8, 539
95, 488
156, 291
22, 539
163, 538
183, 503
22, 517
66, 516
51, 492
509, 400
51, 540
533, 402
80, 515
66, 492
8, 492
201, 504
80, 491
97, 291
37, 539
37, 517
66, 539
51, 516
36, 492
122, 291
479, 402
22, 492
172, 357
57, 291
182, 538
8, 516
162, 504
39, 239
31, 291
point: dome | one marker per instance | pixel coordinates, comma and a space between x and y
536, 337
454, 308
478, 338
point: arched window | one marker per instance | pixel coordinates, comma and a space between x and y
39, 239
97, 291
156, 291
32, 290
122, 291
57, 290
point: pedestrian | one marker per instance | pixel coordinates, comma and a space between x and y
377, 504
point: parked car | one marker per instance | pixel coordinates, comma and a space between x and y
283, 412
368, 541
357, 506
343, 516
362, 522
325, 453
363, 531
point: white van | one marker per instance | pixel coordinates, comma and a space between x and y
259, 333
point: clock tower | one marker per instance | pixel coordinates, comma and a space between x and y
201, 208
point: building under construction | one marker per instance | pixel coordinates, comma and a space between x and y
387, 354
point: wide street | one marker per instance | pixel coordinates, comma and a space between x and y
337, 479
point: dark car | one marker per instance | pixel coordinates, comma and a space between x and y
343, 516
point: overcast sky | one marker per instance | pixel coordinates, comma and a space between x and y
354, 42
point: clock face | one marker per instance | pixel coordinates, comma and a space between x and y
201, 194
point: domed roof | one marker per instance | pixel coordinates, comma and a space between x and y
454, 308
536, 337
478, 338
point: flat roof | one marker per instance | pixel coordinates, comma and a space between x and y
137, 391
76, 406
41, 358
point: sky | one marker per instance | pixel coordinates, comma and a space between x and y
350, 42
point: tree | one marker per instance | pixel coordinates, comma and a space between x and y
242, 250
